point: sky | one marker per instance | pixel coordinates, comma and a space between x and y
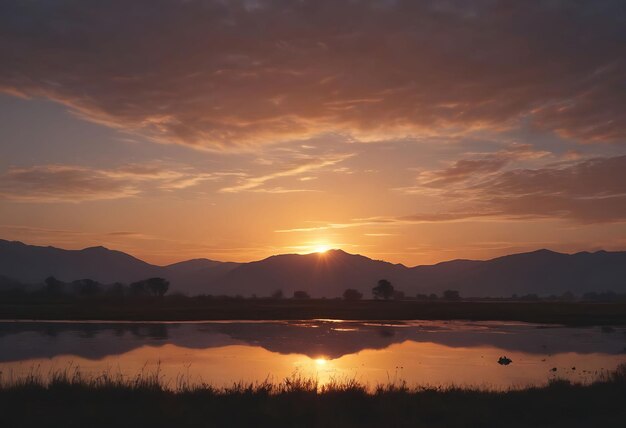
414, 132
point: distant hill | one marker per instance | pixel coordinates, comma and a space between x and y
30, 263
542, 272
197, 276
327, 274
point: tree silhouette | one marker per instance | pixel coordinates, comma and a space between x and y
138, 288
86, 287
301, 295
157, 286
451, 295
352, 294
117, 289
53, 286
384, 290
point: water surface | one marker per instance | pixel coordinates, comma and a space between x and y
220, 353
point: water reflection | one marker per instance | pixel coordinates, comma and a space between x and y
419, 352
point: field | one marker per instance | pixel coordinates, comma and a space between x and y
178, 308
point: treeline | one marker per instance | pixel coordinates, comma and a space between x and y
52, 287
384, 290
55, 288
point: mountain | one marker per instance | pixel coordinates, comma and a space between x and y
326, 274
542, 272
193, 276
30, 263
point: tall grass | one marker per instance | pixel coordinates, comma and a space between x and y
154, 381
68, 398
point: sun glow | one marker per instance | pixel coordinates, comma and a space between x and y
321, 361
321, 248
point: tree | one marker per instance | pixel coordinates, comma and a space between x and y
352, 294
278, 294
116, 289
451, 295
157, 286
138, 288
301, 295
384, 290
53, 286
86, 287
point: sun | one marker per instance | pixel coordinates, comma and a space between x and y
321, 249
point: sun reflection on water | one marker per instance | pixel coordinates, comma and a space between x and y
321, 361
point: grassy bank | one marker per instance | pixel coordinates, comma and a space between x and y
73, 401
177, 308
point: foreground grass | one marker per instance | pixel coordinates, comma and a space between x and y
175, 308
73, 401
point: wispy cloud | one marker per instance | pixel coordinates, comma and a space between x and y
320, 226
477, 167
292, 168
587, 191
73, 183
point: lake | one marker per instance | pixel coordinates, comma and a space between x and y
431, 353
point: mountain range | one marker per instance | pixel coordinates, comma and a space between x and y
327, 274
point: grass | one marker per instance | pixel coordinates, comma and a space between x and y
179, 308
69, 399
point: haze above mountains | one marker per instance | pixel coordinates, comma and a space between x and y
328, 274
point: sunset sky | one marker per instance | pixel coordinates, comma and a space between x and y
410, 131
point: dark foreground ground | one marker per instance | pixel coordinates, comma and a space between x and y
299, 403
176, 308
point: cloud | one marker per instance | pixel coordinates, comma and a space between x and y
299, 166
228, 75
31, 234
588, 191
372, 221
72, 183
477, 167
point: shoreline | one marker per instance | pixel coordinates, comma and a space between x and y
176, 309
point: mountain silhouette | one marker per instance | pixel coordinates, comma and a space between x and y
30, 263
319, 274
328, 274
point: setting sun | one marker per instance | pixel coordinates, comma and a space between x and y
321, 249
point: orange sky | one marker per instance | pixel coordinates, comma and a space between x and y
413, 132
